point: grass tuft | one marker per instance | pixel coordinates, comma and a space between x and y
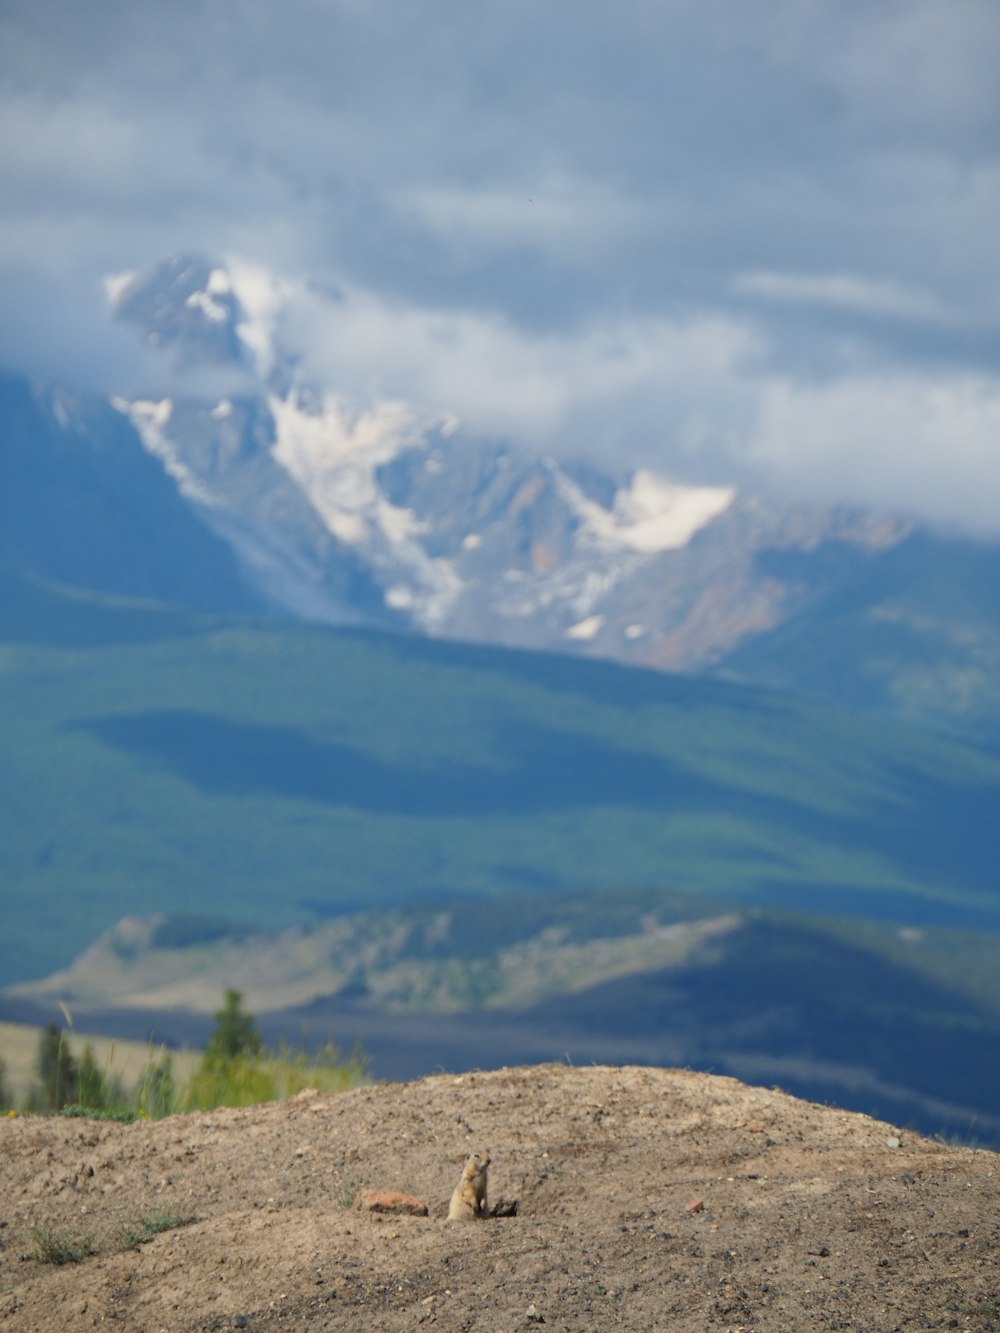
57, 1246
134, 1234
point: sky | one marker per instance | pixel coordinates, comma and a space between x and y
751, 242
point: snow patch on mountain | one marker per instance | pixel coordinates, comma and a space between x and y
210, 309
570, 598
585, 629
61, 410
205, 300
571, 587
651, 515
150, 420
219, 283
333, 454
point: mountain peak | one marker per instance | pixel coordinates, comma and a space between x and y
186, 306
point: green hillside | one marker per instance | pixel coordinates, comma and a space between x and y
914, 636
274, 773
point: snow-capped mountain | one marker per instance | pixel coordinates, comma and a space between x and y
254, 489
378, 515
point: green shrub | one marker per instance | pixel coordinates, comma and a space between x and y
240, 1081
235, 1070
247, 1080
56, 1246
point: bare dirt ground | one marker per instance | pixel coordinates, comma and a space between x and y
646, 1199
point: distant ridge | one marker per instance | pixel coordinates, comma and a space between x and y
901, 1022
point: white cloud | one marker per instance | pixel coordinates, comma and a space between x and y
61, 148
722, 236
695, 397
907, 443
498, 378
923, 63
557, 215
844, 291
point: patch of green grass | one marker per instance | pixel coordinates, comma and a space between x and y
56, 1245
59, 1245
348, 1192
983, 1308
248, 1080
136, 1233
123, 1117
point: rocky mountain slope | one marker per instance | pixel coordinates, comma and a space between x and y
645, 1198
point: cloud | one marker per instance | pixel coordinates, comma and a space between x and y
703, 396
664, 232
554, 216
921, 65
620, 386
841, 291
899, 442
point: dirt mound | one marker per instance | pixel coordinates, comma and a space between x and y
646, 1198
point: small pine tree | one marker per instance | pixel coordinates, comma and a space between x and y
57, 1069
236, 1035
232, 1071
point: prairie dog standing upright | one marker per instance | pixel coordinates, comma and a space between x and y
469, 1199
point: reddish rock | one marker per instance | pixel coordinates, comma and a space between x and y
390, 1201
695, 1206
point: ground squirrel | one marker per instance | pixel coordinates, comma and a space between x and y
469, 1199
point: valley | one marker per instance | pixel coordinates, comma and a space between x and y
159, 761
